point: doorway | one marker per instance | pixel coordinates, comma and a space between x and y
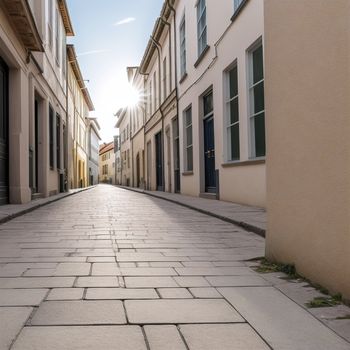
4, 134
168, 145
149, 165
138, 170
159, 162
209, 144
176, 145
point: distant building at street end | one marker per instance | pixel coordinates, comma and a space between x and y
93, 139
107, 163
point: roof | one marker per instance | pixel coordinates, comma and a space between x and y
62, 5
22, 20
73, 61
106, 147
156, 35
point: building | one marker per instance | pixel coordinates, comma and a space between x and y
93, 139
123, 124
158, 66
221, 100
33, 131
79, 143
205, 66
107, 163
308, 128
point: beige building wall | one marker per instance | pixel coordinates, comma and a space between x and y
308, 126
229, 40
35, 77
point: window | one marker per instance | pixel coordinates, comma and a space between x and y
257, 102
50, 23
51, 136
64, 53
57, 38
189, 138
155, 91
183, 67
150, 98
165, 92
236, 4
201, 26
128, 158
58, 141
232, 115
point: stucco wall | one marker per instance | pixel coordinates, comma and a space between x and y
308, 128
242, 183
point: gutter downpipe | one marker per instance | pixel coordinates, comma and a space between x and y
159, 47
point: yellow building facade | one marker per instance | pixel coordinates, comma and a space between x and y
79, 106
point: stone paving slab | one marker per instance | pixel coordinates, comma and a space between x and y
164, 338
280, 322
180, 311
120, 293
36, 282
22, 297
222, 337
12, 319
79, 313
66, 294
81, 338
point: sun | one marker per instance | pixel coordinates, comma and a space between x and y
131, 96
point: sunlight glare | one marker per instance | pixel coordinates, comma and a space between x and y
131, 96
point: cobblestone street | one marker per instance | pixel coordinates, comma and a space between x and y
113, 269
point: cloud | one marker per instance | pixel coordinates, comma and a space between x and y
93, 52
125, 21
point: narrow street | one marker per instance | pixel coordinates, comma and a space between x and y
112, 269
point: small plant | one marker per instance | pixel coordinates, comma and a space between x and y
268, 267
326, 301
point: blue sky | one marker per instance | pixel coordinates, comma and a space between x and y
109, 36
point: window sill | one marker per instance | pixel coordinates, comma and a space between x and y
201, 56
237, 163
183, 78
239, 10
187, 173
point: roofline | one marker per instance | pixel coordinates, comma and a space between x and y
156, 34
73, 61
62, 5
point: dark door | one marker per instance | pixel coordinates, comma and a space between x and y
36, 128
4, 127
138, 170
176, 155
159, 162
209, 155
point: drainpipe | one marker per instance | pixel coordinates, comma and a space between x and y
159, 47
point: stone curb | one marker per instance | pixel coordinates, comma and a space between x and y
249, 227
37, 206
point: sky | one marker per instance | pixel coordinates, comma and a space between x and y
110, 35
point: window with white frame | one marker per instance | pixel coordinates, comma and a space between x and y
155, 100
57, 42
165, 83
187, 115
201, 26
50, 23
150, 98
236, 4
257, 101
232, 117
183, 67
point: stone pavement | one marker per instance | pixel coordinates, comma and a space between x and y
10, 211
112, 269
248, 217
